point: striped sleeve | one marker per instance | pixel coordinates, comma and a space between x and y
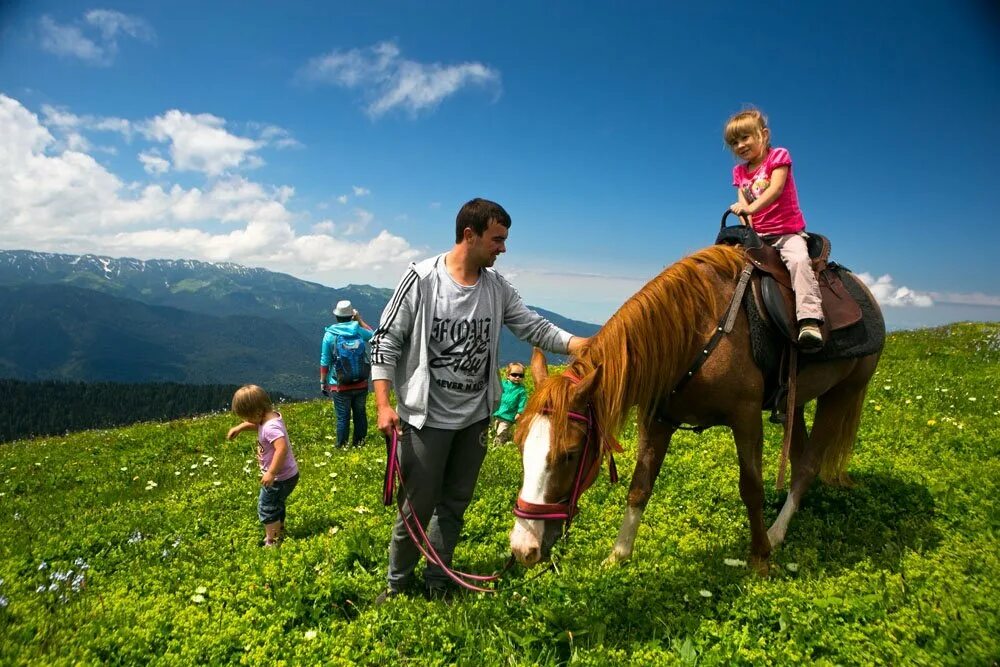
396, 323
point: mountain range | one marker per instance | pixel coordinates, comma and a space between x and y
92, 318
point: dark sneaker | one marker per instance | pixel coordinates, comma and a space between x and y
810, 337
444, 594
385, 596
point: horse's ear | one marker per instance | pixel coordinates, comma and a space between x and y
539, 367
587, 383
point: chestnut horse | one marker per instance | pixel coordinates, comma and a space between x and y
636, 359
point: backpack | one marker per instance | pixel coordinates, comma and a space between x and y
350, 363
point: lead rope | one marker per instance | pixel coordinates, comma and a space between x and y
416, 531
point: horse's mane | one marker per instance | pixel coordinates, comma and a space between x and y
642, 350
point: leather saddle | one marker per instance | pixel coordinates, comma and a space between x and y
772, 284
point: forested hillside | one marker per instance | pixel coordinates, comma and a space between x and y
95, 319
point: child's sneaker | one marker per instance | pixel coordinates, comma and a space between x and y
810, 336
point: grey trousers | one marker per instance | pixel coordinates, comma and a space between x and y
440, 468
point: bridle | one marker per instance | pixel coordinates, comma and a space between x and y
586, 471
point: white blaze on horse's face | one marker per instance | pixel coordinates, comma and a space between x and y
526, 537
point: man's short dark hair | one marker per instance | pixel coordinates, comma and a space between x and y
477, 215
344, 318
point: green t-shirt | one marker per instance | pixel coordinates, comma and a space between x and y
512, 400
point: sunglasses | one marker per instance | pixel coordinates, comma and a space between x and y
516, 375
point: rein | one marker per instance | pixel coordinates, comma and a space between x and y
586, 471
416, 531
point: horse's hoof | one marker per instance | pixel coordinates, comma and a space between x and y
760, 566
615, 559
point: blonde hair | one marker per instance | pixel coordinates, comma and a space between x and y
250, 403
751, 121
514, 364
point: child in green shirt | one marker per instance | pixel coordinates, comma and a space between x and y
512, 402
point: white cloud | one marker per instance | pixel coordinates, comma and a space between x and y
200, 142
62, 200
278, 137
342, 199
966, 298
110, 23
104, 25
887, 294
360, 192
62, 119
153, 163
388, 81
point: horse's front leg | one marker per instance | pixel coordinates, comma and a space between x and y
653, 442
748, 433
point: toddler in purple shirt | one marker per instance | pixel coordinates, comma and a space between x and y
279, 471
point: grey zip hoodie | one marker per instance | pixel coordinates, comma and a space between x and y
400, 344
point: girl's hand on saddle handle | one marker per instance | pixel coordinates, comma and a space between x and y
741, 210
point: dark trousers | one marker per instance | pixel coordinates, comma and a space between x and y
346, 403
440, 468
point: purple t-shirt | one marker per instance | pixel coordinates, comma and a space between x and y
783, 215
267, 433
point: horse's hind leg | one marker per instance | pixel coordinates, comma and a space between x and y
805, 465
653, 442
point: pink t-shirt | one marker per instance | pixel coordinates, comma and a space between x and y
783, 215
267, 433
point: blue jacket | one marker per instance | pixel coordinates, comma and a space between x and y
327, 352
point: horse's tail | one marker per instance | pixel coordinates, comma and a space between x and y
835, 428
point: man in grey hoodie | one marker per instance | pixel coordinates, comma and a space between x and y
438, 346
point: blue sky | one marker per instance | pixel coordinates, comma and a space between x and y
336, 141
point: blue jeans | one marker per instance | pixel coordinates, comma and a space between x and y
345, 403
271, 503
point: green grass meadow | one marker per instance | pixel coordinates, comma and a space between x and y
141, 545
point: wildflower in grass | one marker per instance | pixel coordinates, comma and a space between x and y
735, 562
4, 602
197, 598
310, 634
40, 589
792, 567
135, 537
705, 593
201, 590
43, 566
931, 422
